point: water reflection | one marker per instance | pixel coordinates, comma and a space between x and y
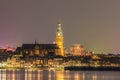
57, 75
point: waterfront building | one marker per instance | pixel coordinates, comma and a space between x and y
37, 49
7, 50
15, 61
44, 49
77, 50
3, 50
59, 40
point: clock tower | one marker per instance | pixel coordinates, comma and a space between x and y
59, 40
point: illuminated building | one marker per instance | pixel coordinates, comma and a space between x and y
43, 49
3, 50
77, 49
14, 61
37, 49
59, 40
8, 49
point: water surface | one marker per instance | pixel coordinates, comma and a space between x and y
58, 75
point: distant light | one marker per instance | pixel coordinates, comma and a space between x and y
54, 42
10, 49
59, 24
93, 52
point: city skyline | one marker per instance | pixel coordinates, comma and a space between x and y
94, 24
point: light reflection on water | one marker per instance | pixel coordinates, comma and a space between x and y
58, 75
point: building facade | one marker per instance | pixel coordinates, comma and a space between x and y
38, 49
77, 50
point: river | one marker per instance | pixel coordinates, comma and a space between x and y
58, 75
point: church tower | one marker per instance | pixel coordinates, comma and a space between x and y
59, 40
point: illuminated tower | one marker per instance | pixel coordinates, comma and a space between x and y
59, 40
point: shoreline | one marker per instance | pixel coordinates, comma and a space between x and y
91, 68
71, 68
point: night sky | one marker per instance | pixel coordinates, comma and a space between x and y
92, 23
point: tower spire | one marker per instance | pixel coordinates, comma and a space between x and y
35, 42
59, 30
59, 39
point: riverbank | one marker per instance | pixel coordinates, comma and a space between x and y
74, 68
91, 68
34, 68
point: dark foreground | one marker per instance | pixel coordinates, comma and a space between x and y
92, 68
